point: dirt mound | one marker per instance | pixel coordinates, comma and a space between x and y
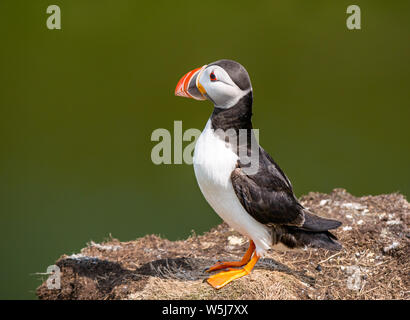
374, 262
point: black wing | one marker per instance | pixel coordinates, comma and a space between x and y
267, 195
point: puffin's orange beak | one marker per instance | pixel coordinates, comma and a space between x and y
188, 86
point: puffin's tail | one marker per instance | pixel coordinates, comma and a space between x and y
297, 238
313, 233
316, 223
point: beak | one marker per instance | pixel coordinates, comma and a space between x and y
188, 86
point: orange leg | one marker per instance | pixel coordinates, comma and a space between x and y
223, 278
226, 264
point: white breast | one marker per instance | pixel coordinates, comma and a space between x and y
213, 165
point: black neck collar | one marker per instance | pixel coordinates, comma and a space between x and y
237, 117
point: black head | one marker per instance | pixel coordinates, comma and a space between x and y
236, 72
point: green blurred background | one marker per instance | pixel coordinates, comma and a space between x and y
78, 107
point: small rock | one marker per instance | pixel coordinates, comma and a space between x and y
318, 268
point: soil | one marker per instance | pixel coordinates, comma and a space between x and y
373, 264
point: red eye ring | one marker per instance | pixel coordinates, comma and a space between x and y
212, 76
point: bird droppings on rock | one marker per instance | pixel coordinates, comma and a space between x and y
324, 202
384, 233
353, 206
236, 241
365, 211
104, 247
393, 246
81, 258
392, 222
156, 268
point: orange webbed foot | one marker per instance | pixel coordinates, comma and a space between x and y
221, 279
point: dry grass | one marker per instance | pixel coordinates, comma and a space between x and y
374, 262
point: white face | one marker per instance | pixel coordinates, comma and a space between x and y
220, 88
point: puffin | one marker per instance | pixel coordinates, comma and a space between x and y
259, 203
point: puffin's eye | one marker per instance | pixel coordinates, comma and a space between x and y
212, 76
